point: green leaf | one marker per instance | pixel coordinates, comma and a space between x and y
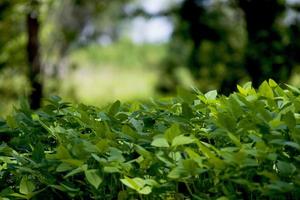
68, 188
62, 152
55, 98
137, 184
142, 151
115, 155
123, 195
286, 168
242, 90
194, 156
93, 178
146, 190
166, 160
111, 169
103, 116
227, 121
187, 111
285, 143
175, 173
217, 162
272, 83
114, 108
222, 198
293, 89
19, 195
137, 124
11, 122
160, 142
73, 172
26, 186
247, 89
172, 132
128, 131
211, 95
74, 162
38, 153
182, 140
186, 95
290, 120
103, 145
280, 186
292, 144
234, 139
135, 106
35, 117
265, 90
64, 167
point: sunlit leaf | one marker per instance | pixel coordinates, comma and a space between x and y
211, 95
182, 140
265, 90
172, 132
160, 142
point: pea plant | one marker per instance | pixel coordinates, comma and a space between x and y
193, 146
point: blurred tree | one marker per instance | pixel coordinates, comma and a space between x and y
266, 51
12, 52
75, 23
33, 54
199, 25
222, 45
192, 28
20, 43
42, 32
293, 50
12, 40
208, 38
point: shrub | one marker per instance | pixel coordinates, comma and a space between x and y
194, 146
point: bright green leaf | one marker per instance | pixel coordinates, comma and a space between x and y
211, 95
265, 90
182, 140
160, 142
172, 132
26, 186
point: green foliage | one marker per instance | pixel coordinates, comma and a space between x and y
194, 146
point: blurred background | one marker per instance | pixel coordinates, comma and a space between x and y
97, 51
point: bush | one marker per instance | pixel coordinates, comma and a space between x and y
194, 146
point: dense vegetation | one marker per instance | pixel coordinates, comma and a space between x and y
40, 39
195, 146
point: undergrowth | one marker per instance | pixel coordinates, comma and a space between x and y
193, 146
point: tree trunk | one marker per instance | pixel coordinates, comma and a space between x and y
33, 56
266, 51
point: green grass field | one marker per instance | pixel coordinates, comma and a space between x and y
101, 85
96, 75
123, 71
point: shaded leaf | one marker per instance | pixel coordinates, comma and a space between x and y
93, 177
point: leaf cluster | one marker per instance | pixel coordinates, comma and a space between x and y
194, 146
